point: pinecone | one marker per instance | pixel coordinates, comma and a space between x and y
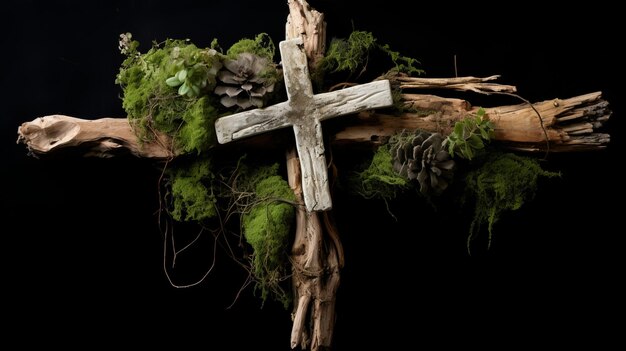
421, 156
243, 82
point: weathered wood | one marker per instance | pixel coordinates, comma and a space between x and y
314, 292
316, 263
570, 124
105, 137
305, 112
307, 23
475, 84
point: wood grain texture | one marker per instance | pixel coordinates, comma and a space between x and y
105, 137
475, 84
571, 124
307, 23
305, 112
316, 264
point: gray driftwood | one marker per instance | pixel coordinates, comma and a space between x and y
305, 111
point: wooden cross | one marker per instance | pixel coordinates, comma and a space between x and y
305, 111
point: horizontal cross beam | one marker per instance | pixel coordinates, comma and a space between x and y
304, 111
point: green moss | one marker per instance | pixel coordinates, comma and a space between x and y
403, 64
262, 45
266, 228
503, 183
351, 55
154, 106
192, 192
348, 54
194, 134
379, 180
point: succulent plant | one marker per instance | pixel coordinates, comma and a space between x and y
421, 156
196, 72
436, 166
245, 81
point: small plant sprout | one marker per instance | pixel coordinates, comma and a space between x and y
470, 135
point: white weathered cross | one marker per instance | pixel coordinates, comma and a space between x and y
305, 111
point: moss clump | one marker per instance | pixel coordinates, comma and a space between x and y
504, 182
351, 55
262, 45
348, 54
154, 106
266, 227
192, 192
379, 180
193, 134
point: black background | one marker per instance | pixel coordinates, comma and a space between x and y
83, 254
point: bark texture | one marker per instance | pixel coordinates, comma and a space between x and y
571, 125
105, 137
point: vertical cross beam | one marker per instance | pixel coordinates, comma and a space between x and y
304, 111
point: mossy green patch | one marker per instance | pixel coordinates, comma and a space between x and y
379, 180
192, 192
262, 45
504, 182
154, 106
266, 227
348, 54
351, 55
194, 134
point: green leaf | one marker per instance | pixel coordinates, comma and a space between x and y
451, 149
173, 81
183, 89
468, 130
195, 89
468, 152
181, 75
458, 129
480, 113
484, 134
475, 142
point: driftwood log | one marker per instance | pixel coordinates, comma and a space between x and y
568, 124
571, 125
105, 137
316, 261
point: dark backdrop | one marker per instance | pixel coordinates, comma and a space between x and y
83, 254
